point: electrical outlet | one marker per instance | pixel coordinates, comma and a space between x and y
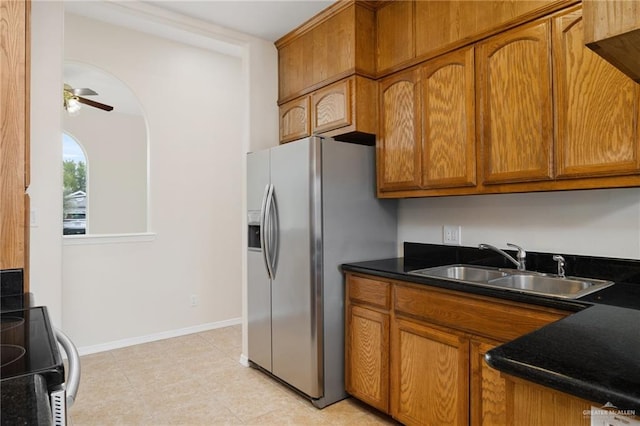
194, 300
452, 235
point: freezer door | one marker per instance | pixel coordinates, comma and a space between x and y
296, 296
258, 311
258, 282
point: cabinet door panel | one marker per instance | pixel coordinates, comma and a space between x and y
430, 375
334, 45
515, 109
331, 107
535, 405
295, 66
448, 116
399, 151
395, 39
294, 120
488, 399
367, 356
598, 110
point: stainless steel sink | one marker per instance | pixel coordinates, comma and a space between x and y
512, 280
475, 274
569, 287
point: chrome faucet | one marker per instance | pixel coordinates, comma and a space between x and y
521, 256
561, 263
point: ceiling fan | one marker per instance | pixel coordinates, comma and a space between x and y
74, 97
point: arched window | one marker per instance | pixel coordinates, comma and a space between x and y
74, 191
115, 141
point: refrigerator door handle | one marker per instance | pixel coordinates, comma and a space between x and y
268, 247
274, 238
264, 222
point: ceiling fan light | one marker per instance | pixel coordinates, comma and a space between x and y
73, 106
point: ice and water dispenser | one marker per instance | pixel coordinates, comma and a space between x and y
253, 224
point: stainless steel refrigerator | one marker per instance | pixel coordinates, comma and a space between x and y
311, 207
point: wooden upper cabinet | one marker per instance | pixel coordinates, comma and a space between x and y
294, 120
336, 43
612, 30
429, 375
349, 105
331, 106
395, 34
14, 142
443, 24
597, 107
515, 112
399, 150
295, 66
448, 117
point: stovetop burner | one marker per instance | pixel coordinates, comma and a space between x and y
10, 354
8, 322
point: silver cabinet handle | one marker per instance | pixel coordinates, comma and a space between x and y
72, 382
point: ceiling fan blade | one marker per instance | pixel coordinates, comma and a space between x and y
83, 92
95, 104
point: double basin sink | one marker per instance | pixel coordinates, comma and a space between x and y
514, 280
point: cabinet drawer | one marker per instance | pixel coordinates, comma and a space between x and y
368, 291
499, 320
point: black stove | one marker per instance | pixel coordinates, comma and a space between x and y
28, 346
32, 375
33, 389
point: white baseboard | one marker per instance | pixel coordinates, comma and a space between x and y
117, 344
244, 360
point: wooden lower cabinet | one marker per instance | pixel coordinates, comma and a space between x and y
367, 355
417, 352
531, 404
488, 397
429, 375
535, 405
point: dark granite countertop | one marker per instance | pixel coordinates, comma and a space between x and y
25, 401
592, 354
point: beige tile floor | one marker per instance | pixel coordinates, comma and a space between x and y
196, 380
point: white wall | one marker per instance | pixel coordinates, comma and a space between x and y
204, 111
192, 100
598, 222
45, 247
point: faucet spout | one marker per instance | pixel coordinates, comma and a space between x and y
521, 256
